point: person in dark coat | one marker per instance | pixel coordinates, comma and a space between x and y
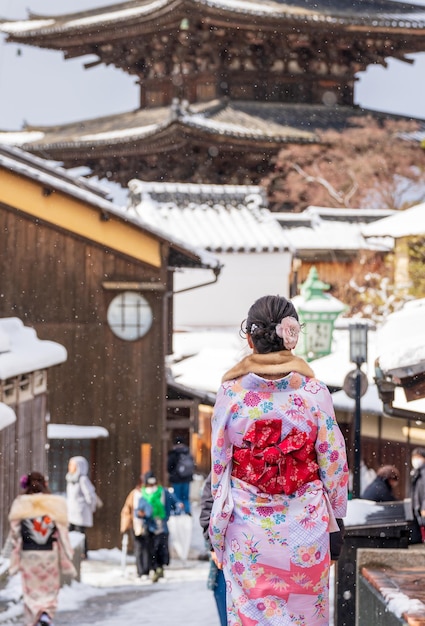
216, 581
180, 467
381, 489
418, 488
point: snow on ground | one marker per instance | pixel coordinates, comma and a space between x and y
124, 598
110, 593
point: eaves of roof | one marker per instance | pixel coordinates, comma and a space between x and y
224, 120
375, 15
24, 164
205, 397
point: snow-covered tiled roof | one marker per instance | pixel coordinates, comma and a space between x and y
405, 223
253, 121
401, 341
323, 228
220, 218
22, 352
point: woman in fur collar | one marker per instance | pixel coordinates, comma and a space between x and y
41, 548
279, 478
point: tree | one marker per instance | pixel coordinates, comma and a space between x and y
370, 164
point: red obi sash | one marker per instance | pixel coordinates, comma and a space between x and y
272, 465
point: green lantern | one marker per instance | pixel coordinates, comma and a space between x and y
317, 311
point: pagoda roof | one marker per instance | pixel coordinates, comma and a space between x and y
375, 15
238, 121
125, 144
243, 121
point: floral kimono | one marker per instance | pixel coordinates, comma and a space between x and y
41, 550
279, 480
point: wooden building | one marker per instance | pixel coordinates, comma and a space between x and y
332, 241
223, 84
25, 364
83, 273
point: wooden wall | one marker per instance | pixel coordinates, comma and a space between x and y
22, 450
52, 280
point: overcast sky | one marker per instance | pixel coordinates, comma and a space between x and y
40, 87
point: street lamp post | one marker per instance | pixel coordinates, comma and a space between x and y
358, 355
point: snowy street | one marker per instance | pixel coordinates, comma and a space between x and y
107, 595
110, 594
117, 599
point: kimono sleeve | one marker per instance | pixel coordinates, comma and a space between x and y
221, 452
221, 447
331, 453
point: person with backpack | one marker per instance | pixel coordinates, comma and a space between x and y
154, 509
180, 467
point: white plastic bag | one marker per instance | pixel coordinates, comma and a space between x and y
180, 527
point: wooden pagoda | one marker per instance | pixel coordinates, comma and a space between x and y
222, 84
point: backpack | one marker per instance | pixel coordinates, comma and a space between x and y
185, 465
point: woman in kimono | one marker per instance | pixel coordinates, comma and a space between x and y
279, 478
41, 548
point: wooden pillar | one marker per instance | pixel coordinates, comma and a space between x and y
145, 458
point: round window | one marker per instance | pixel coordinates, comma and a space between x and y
129, 316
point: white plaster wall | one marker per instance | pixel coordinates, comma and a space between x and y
244, 278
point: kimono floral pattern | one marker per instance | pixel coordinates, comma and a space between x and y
275, 546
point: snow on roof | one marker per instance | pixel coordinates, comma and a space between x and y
388, 14
371, 402
35, 168
7, 416
73, 431
201, 358
401, 340
18, 138
325, 228
348, 214
219, 218
25, 352
324, 304
403, 224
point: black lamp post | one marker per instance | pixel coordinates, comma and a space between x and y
358, 355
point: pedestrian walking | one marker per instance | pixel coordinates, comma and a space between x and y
40, 547
381, 489
279, 477
181, 466
418, 488
216, 581
134, 523
80, 496
154, 509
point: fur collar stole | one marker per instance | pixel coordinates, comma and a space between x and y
273, 364
37, 504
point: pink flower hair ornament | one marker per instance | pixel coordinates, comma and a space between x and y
288, 329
